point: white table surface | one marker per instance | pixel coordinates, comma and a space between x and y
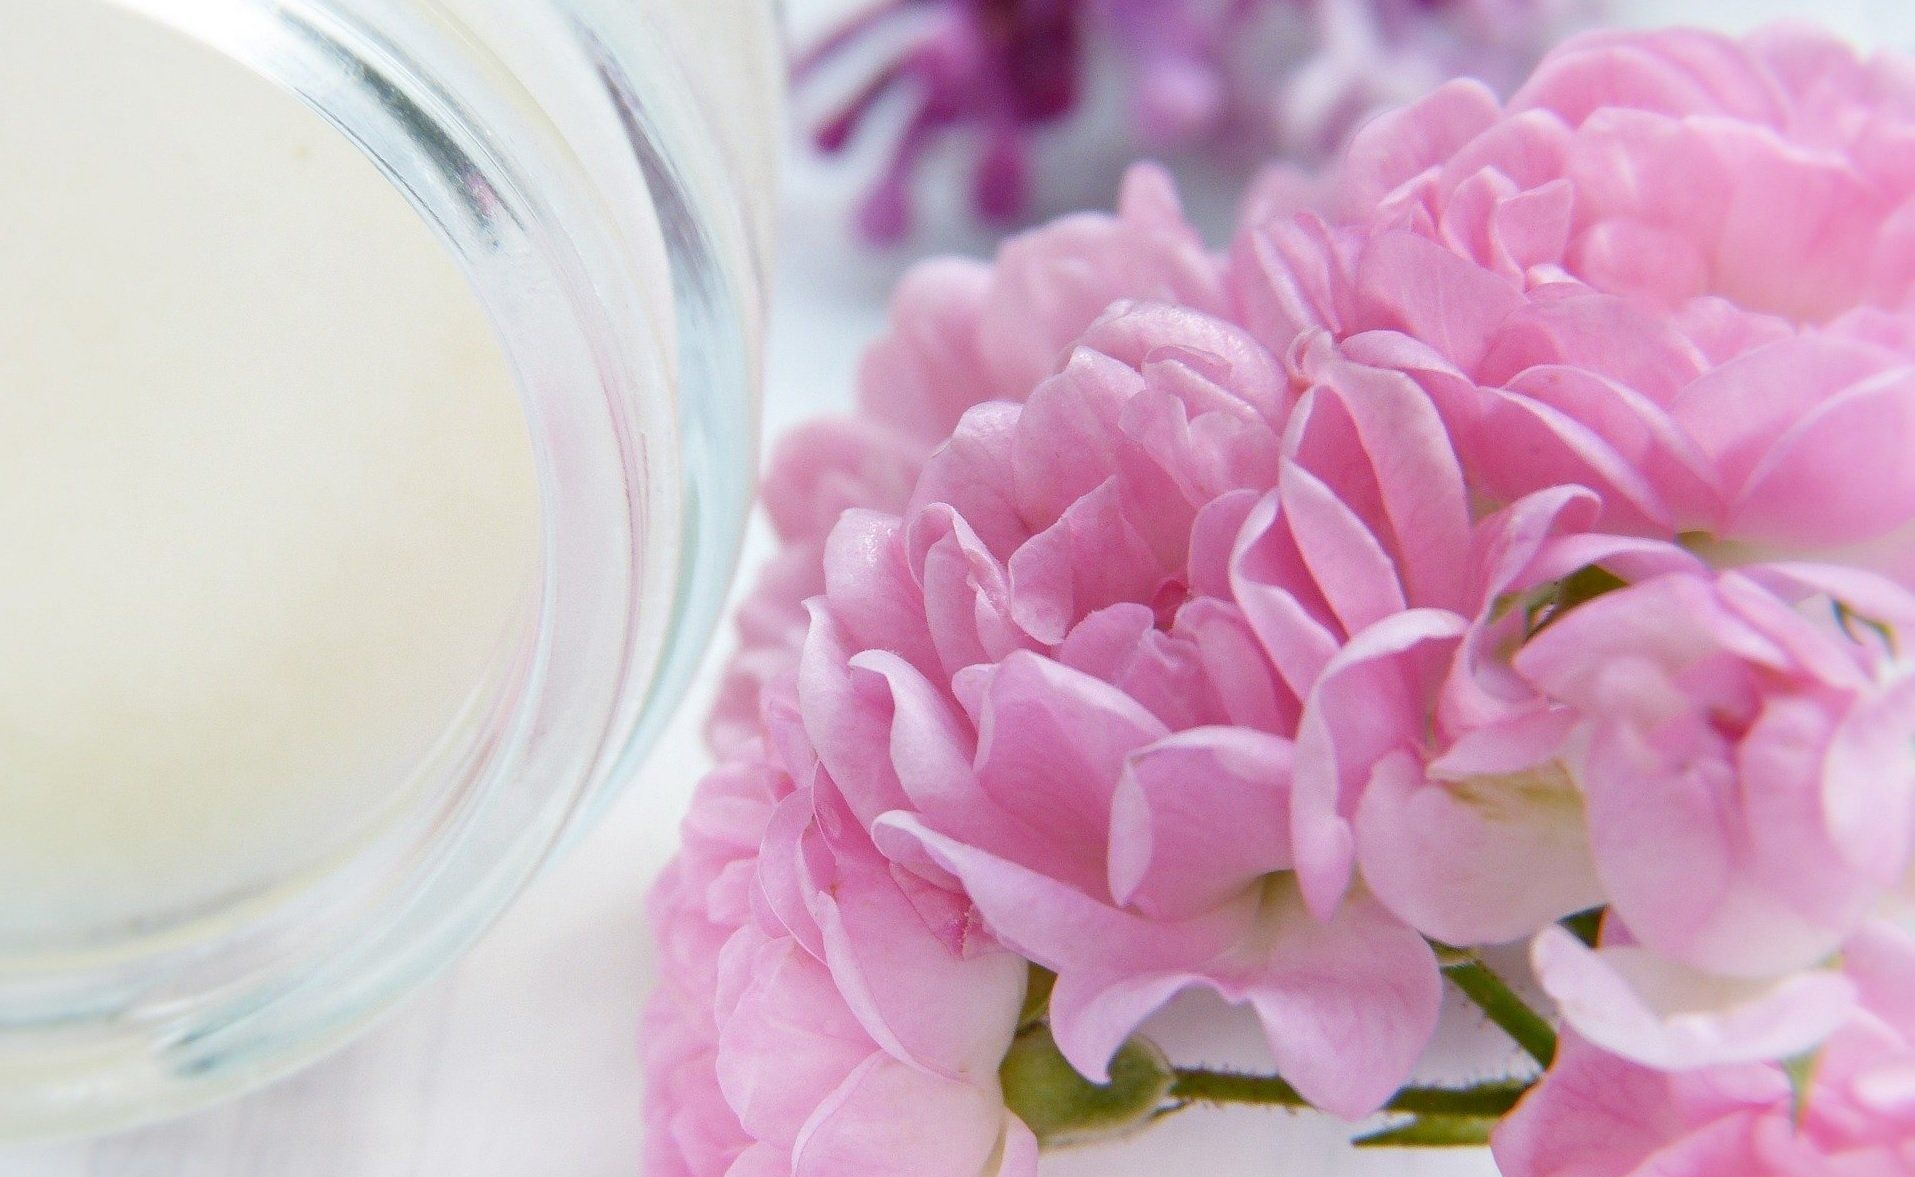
521, 1061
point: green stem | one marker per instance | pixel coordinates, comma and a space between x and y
1485, 1101
1494, 997
1433, 1132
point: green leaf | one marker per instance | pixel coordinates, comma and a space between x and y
1849, 620
1037, 997
1801, 1073
1586, 925
1545, 605
1062, 1107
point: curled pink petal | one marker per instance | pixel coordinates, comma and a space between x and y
1672, 1018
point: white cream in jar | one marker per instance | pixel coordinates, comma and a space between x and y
267, 511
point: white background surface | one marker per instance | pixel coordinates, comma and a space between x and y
521, 1062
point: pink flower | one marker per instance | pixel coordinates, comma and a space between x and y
1430, 770
1745, 764
1659, 1013
1750, 404
1292, 75
1669, 270
961, 333
820, 1013
1035, 687
1531, 534
1596, 1115
1376, 597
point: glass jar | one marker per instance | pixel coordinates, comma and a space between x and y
601, 171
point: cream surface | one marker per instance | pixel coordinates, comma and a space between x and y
267, 512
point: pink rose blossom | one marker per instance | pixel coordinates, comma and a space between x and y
1745, 766
1529, 534
1756, 410
1439, 774
961, 333
1019, 687
820, 1013
1371, 590
1669, 270
1596, 1115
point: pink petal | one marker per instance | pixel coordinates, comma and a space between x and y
1880, 960
1663, 842
1114, 967
788, 1037
1234, 370
1054, 282
1197, 818
1090, 558
1627, 342
967, 592
927, 370
1632, 258
1868, 792
1288, 277
1791, 853
1838, 475
1810, 219
1669, 1017
1252, 695
760, 1160
931, 745
786, 878
1376, 438
1213, 542
1373, 699
1018, 1155
1670, 621
1737, 411
847, 714
949, 1014
1521, 445
1415, 286
873, 594
1279, 598
889, 1118
1348, 1006
1636, 429
1482, 860
973, 477
1052, 743
1675, 71
1349, 566
1095, 1009
1165, 672
1069, 438
1512, 745
1401, 145
1597, 1115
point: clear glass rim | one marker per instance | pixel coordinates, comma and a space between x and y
643, 429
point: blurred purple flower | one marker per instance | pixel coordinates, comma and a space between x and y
1286, 75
